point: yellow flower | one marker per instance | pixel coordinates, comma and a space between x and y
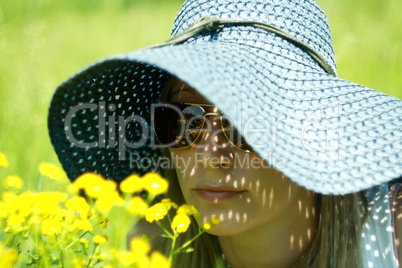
68, 217
79, 262
139, 246
109, 200
215, 220
51, 227
154, 184
13, 181
98, 239
137, 206
207, 226
97, 187
8, 257
84, 225
187, 209
51, 239
84, 242
168, 204
35, 219
3, 210
180, 223
47, 203
78, 205
51, 171
156, 212
142, 261
107, 186
126, 258
102, 257
158, 260
104, 223
15, 220
93, 184
131, 184
137, 255
8, 196
9, 204
3, 160
21, 204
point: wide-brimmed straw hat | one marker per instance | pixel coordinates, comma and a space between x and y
269, 66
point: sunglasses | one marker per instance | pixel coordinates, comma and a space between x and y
179, 125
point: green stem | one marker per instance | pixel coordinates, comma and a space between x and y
91, 257
61, 251
123, 230
75, 241
32, 242
2, 227
189, 242
164, 229
150, 198
43, 252
172, 251
61, 257
40, 183
9, 238
168, 216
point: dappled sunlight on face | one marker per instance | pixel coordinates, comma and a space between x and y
242, 197
240, 188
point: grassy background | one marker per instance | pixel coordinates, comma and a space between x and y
44, 42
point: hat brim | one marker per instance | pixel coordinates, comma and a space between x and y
326, 134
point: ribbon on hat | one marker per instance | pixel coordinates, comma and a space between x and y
212, 24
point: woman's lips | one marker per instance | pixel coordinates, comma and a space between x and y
218, 195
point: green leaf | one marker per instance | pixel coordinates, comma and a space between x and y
166, 236
188, 250
145, 237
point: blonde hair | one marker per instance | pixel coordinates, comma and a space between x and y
337, 242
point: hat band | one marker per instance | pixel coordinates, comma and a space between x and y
212, 24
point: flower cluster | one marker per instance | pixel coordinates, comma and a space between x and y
180, 223
66, 229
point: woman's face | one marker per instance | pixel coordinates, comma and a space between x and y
237, 186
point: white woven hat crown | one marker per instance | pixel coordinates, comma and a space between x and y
303, 19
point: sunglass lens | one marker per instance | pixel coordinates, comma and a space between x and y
178, 125
233, 135
164, 127
189, 126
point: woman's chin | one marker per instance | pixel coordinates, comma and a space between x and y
221, 231
227, 228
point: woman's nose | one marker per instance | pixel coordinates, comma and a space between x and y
214, 145
213, 137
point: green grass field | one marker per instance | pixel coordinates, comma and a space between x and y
44, 42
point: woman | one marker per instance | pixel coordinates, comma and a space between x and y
246, 107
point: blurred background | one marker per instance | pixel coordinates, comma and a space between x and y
44, 42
